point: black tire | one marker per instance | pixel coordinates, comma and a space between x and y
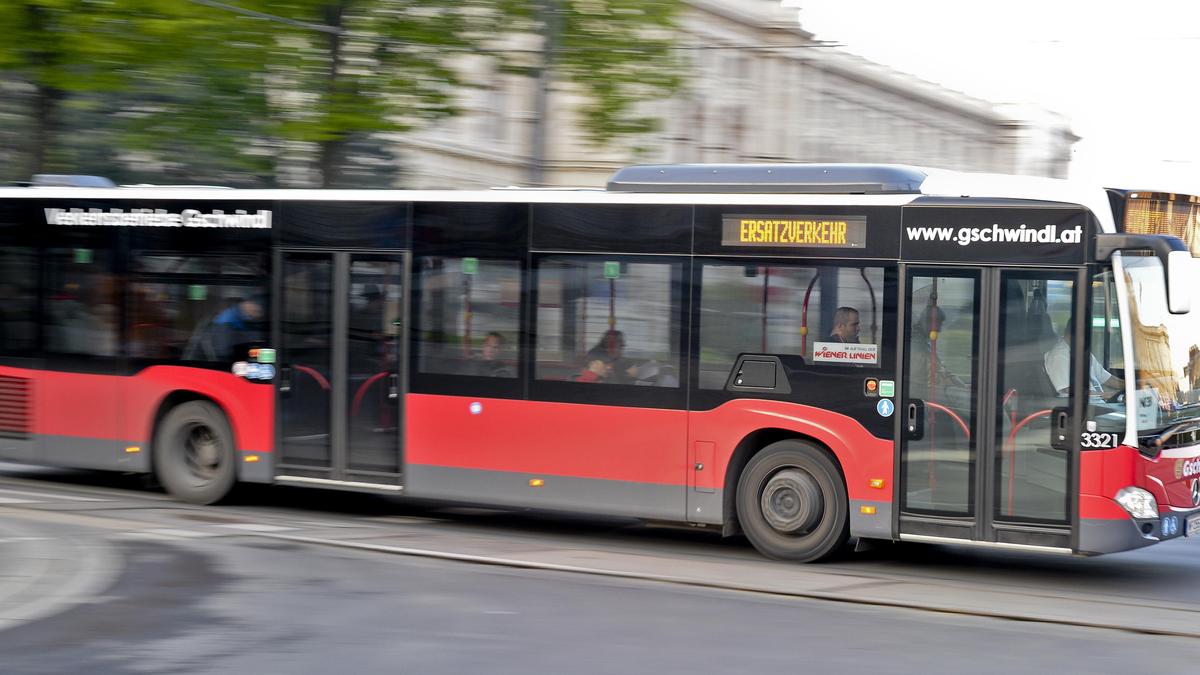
194, 456
791, 502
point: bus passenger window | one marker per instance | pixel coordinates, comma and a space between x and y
18, 312
607, 321
468, 319
81, 307
827, 316
195, 322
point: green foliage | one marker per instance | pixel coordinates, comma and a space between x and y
228, 90
617, 53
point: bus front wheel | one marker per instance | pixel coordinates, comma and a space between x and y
791, 502
194, 454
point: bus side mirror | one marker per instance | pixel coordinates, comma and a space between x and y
1173, 255
1181, 277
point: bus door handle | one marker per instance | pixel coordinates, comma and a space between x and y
285, 380
1060, 423
914, 420
393, 391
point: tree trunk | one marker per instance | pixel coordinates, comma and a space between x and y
329, 158
45, 99
45, 116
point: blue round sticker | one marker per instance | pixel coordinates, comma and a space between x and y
885, 407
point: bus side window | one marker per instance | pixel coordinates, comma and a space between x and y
81, 303
18, 311
204, 308
826, 315
608, 321
195, 322
469, 315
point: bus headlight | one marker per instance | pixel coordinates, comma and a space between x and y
1138, 502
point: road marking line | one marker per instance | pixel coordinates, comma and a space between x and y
332, 524
47, 495
183, 534
255, 527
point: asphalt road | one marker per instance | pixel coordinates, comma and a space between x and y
98, 575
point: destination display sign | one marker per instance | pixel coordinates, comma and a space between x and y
1164, 213
847, 232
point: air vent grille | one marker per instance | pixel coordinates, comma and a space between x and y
16, 407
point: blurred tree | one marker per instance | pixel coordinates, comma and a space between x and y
241, 92
340, 70
388, 65
67, 57
617, 53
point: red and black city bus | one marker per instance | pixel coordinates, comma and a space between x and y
805, 354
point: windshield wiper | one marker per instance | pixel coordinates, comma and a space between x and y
1187, 431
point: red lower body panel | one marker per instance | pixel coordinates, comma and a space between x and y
632, 461
108, 413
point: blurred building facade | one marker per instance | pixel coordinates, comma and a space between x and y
759, 88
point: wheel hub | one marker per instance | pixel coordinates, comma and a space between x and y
202, 452
792, 502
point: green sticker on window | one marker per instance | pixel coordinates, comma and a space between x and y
887, 388
83, 256
612, 269
197, 292
470, 265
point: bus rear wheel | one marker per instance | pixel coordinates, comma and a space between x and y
193, 453
791, 502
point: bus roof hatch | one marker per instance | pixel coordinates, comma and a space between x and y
837, 179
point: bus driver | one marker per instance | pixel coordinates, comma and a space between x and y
1058, 367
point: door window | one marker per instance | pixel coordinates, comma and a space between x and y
1034, 364
306, 334
942, 336
374, 318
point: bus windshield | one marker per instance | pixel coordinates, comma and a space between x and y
1165, 350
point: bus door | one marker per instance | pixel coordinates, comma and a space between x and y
340, 328
985, 430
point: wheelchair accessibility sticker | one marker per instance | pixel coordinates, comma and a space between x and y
885, 407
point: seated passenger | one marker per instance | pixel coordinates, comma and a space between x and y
595, 370
239, 324
611, 349
845, 326
487, 363
1058, 368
